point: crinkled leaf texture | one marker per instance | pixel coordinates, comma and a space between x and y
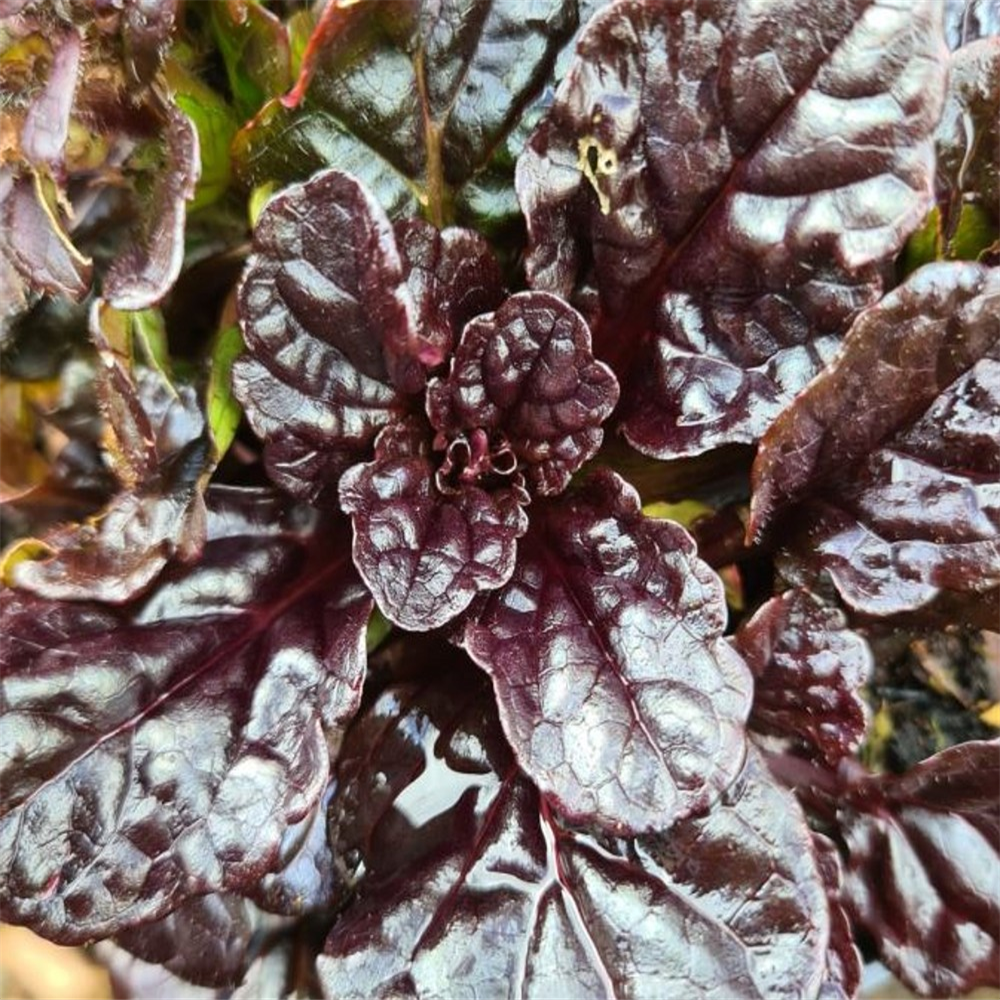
452, 277
413, 98
204, 941
161, 749
734, 179
896, 448
471, 885
809, 668
619, 695
843, 959
527, 371
519, 411
426, 554
923, 877
322, 293
276, 969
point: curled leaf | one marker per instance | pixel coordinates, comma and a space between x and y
527, 370
426, 554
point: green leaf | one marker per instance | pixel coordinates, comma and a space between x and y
224, 411
378, 628
150, 331
255, 50
925, 245
216, 126
413, 99
975, 233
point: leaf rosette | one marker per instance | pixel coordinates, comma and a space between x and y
343, 328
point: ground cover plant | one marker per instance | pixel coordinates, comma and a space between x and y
501, 498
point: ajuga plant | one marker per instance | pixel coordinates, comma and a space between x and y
501, 496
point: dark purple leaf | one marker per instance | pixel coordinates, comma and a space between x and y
809, 669
413, 97
453, 277
616, 690
967, 20
161, 750
134, 979
204, 941
35, 252
425, 553
277, 971
898, 444
306, 879
735, 184
527, 371
46, 124
843, 960
322, 293
470, 885
924, 861
117, 553
969, 133
144, 271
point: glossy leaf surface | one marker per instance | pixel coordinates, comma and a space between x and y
615, 688
161, 749
156, 447
425, 554
527, 370
924, 866
453, 277
204, 941
322, 293
809, 668
897, 445
412, 97
843, 960
738, 182
471, 884
968, 20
